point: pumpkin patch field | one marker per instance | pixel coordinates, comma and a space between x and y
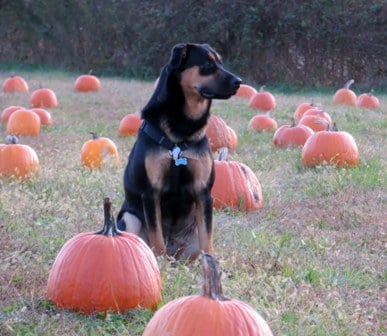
309, 254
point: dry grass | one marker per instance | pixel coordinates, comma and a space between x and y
312, 262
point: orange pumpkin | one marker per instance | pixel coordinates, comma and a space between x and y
87, 83
315, 122
262, 122
208, 314
235, 185
44, 98
319, 113
220, 134
8, 111
17, 160
330, 147
15, 84
99, 152
105, 270
245, 91
368, 100
291, 135
44, 116
129, 124
263, 100
301, 109
345, 96
23, 122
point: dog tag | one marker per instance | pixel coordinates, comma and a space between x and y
176, 155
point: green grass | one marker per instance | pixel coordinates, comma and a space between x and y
311, 262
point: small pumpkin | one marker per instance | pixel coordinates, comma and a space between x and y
15, 84
17, 160
220, 134
262, 122
105, 270
245, 91
87, 83
368, 100
291, 135
315, 122
99, 152
44, 98
5, 114
262, 100
209, 313
330, 147
235, 185
345, 96
129, 125
319, 113
301, 109
44, 116
23, 122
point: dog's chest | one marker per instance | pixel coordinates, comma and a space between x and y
165, 175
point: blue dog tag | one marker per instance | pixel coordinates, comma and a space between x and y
176, 155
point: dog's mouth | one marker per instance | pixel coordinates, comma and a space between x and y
214, 95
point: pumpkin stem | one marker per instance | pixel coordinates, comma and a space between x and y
90, 71
110, 226
292, 122
348, 84
212, 287
11, 139
262, 88
223, 154
95, 135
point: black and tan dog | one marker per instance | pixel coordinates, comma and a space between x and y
170, 173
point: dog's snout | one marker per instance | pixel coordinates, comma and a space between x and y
236, 82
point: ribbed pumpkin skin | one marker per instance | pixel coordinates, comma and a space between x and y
220, 134
345, 97
301, 109
87, 83
327, 147
44, 98
44, 116
288, 136
262, 123
369, 101
262, 100
236, 187
316, 123
201, 316
129, 125
15, 84
99, 152
95, 273
17, 160
23, 122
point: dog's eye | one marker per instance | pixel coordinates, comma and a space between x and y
208, 67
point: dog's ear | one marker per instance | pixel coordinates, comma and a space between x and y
178, 55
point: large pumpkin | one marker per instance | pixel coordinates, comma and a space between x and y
87, 83
262, 100
235, 185
220, 134
23, 122
17, 160
368, 100
291, 135
129, 124
99, 152
245, 91
208, 314
15, 84
330, 147
44, 98
345, 96
105, 270
262, 123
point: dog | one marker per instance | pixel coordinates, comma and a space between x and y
170, 169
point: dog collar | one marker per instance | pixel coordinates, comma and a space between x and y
158, 136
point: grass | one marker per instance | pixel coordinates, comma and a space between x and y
311, 262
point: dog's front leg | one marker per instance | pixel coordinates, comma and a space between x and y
204, 222
152, 212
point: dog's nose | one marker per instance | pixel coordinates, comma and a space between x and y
236, 83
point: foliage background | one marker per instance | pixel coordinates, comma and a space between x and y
299, 43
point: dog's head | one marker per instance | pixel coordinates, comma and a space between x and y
200, 72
